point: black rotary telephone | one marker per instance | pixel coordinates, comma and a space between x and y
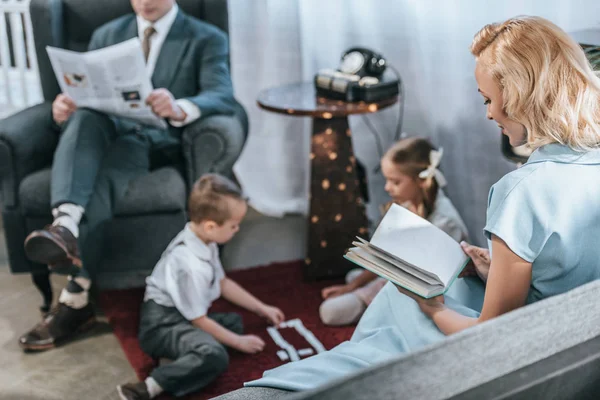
362, 62
359, 77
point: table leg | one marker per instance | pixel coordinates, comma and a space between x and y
337, 213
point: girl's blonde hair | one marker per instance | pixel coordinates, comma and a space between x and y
547, 82
411, 157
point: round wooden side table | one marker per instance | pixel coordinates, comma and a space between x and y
337, 213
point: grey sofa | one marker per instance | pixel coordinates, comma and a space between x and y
547, 350
154, 209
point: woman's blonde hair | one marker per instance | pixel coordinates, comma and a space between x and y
547, 82
411, 157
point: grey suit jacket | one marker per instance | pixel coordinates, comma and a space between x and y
193, 63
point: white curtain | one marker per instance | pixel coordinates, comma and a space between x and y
274, 42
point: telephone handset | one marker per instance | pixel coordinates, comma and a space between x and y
359, 77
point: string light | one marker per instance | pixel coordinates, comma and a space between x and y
314, 219
342, 186
338, 217
332, 156
323, 243
325, 184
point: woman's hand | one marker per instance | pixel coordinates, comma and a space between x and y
335, 291
480, 262
428, 306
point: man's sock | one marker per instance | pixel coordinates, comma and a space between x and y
68, 215
76, 293
153, 387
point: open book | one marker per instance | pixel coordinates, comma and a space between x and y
411, 252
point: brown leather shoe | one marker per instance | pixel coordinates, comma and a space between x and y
133, 391
53, 245
60, 324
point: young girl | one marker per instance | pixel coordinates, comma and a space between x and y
414, 181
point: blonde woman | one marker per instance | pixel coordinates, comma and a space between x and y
543, 220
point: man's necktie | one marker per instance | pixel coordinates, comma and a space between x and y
148, 32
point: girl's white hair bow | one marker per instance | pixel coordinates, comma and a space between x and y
435, 157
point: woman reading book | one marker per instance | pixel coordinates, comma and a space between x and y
413, 180
543, 220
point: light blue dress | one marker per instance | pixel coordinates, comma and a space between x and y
547, 212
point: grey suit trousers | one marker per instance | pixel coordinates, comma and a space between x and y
96, 158
198, 358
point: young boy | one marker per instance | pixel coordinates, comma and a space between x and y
187, 279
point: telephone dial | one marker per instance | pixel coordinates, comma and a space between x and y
359, 77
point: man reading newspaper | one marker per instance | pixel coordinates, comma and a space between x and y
98, 153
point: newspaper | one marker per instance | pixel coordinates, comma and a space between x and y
112, 80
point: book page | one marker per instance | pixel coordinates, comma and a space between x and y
399, 262
416, 241
392, 274
396, 263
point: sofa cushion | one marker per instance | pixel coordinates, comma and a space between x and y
487, 352
162, 190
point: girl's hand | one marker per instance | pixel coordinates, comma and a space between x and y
335, 290
428, 306
273, 314
480, 262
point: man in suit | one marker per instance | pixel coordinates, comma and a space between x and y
97, 155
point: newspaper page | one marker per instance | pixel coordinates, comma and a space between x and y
112, 80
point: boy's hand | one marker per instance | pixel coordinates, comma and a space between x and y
250, 344
273, 314
335, 291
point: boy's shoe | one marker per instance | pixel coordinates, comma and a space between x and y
59, 324
133, 391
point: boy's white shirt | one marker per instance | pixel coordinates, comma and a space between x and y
187, 276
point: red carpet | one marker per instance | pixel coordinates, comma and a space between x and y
277, 284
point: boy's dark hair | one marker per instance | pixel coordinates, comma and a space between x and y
207, 201
411, 156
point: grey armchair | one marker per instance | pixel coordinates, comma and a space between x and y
153, 210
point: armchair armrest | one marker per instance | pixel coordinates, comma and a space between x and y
212, 144
27, 143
